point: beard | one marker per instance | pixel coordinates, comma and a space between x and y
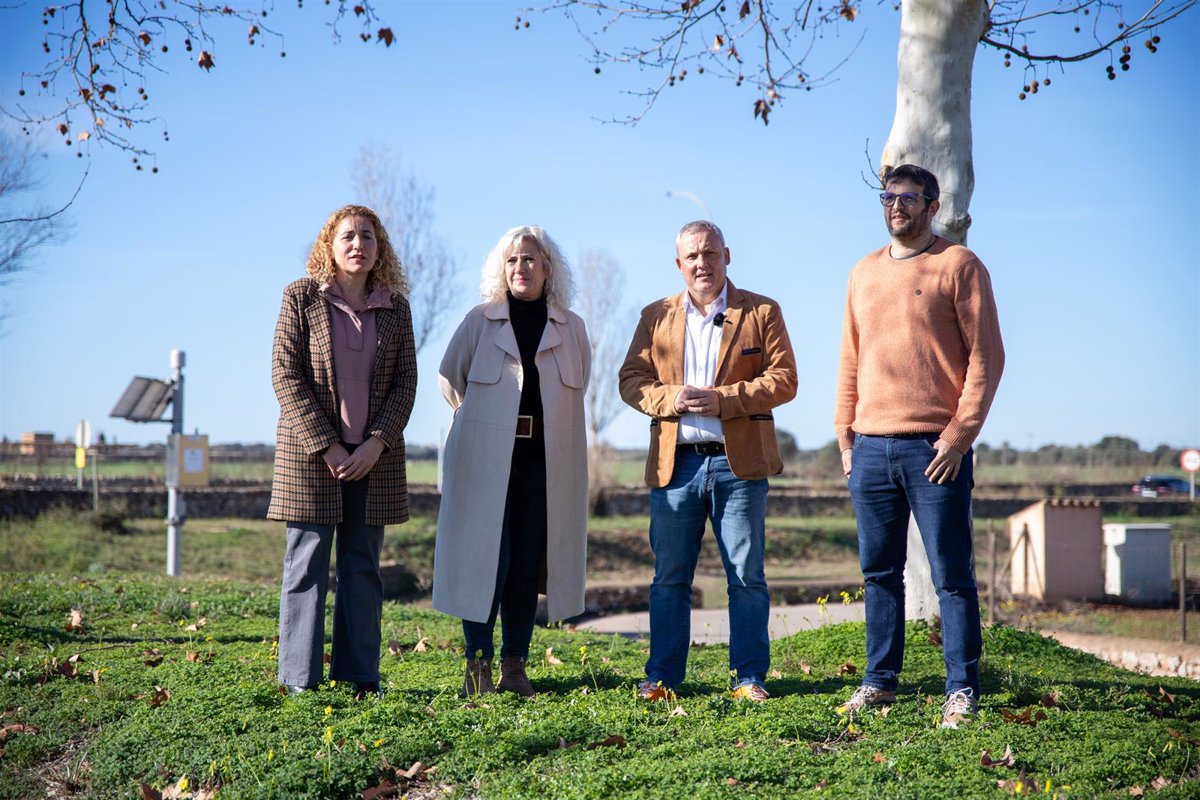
912, 227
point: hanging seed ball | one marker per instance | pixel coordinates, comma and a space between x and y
526, 24
1034, 88
282, 54
1124, 67
1112, 76
596, 70
1156, 40
164, 48
21, 93
1046, 82
1125, 49
154, 170
700, 70
1025, 88
1021, 96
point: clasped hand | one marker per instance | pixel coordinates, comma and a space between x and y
693, 400
346, 466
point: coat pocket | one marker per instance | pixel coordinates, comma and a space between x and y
487, 365
570, 368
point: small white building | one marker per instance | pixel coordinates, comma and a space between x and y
1138, 562
1056, 550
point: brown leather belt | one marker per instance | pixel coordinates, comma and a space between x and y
527, 426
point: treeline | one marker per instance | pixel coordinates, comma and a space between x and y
1110, 451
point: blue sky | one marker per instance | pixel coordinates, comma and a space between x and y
1085, 213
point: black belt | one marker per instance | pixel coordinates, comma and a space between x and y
527, 426
703, 448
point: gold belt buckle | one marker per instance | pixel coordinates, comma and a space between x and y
524, 426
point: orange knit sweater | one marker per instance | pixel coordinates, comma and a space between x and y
921, 348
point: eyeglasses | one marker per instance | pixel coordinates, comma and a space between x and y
907, 199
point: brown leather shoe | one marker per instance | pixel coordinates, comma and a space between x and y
479, 677
513, 678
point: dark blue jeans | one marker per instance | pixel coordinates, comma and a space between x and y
703, 489
887, 481
522, 550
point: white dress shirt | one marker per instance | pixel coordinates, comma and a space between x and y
701, 347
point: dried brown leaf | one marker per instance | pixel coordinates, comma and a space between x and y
848, 10
934, 638
150, 793
394, 647
386, 36
563, 744
144, 37
159, 697
205, 61
1159, 783
732, 781
8, 730
678, 711
551, 658
879, 758
1050, 699
744, 10
75, 618
1007, 760
384, 789
848, 668
806, 668
739, 744
1136, 791
422, 645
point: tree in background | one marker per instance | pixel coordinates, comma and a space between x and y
100, 57
405, 206
25, 226
600, 300
769, 44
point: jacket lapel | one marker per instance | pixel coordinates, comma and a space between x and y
674, 322
551, 337
729, 331
506, 338
321, 336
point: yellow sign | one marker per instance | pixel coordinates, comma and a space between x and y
80, 458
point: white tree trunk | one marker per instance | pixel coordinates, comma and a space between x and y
932, 129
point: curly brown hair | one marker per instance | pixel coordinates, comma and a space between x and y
388, 272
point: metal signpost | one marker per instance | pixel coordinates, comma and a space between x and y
1190, 461
145, 400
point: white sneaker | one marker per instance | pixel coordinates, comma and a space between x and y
960, 706
867, 696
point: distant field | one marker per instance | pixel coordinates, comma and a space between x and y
625, 471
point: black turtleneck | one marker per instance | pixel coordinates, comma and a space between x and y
529, 322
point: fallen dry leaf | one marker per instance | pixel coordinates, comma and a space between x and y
1026, 717
776, 674
422, 645
1165, 696
731, 781
806, 668
394, 647
159, 697
739, 744
1007, 760
150, 793
848, 668
8, 730
1159, 783
563, 744
677, 711
384, 789
1136, 791
417, 769
551, 658
1050, 699
885, 710
879, 758
75, 621
613, 740
934, 638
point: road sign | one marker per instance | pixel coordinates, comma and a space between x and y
83, 434
1190, 460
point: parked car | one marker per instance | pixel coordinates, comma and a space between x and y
1160, 486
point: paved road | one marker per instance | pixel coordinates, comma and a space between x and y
711, 625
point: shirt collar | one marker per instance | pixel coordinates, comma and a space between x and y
716, 307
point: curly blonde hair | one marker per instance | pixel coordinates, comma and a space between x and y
559, 289
387, 273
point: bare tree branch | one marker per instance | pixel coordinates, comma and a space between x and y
772, 45
405, 206
100, 55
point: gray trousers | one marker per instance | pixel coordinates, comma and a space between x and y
358, 601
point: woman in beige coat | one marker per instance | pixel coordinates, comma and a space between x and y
513, 518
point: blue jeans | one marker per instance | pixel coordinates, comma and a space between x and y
358, 600
887, 481
704, 488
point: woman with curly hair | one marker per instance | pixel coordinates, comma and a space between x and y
345, 372
513, 516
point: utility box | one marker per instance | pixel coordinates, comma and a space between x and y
1056, 548
187, 460
1138, 562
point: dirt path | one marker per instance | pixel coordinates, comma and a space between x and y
1152, 656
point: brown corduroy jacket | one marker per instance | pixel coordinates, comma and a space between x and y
756, 371
303, 490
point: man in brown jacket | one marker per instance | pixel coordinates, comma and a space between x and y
708, 366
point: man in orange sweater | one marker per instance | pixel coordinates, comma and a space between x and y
921, 358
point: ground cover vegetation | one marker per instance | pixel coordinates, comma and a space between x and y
111, 682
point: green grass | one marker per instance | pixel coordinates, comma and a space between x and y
149, 699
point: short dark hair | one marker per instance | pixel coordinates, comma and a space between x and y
918, 175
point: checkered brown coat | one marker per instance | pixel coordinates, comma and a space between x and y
303, 490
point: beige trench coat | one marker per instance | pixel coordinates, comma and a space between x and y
481, 378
